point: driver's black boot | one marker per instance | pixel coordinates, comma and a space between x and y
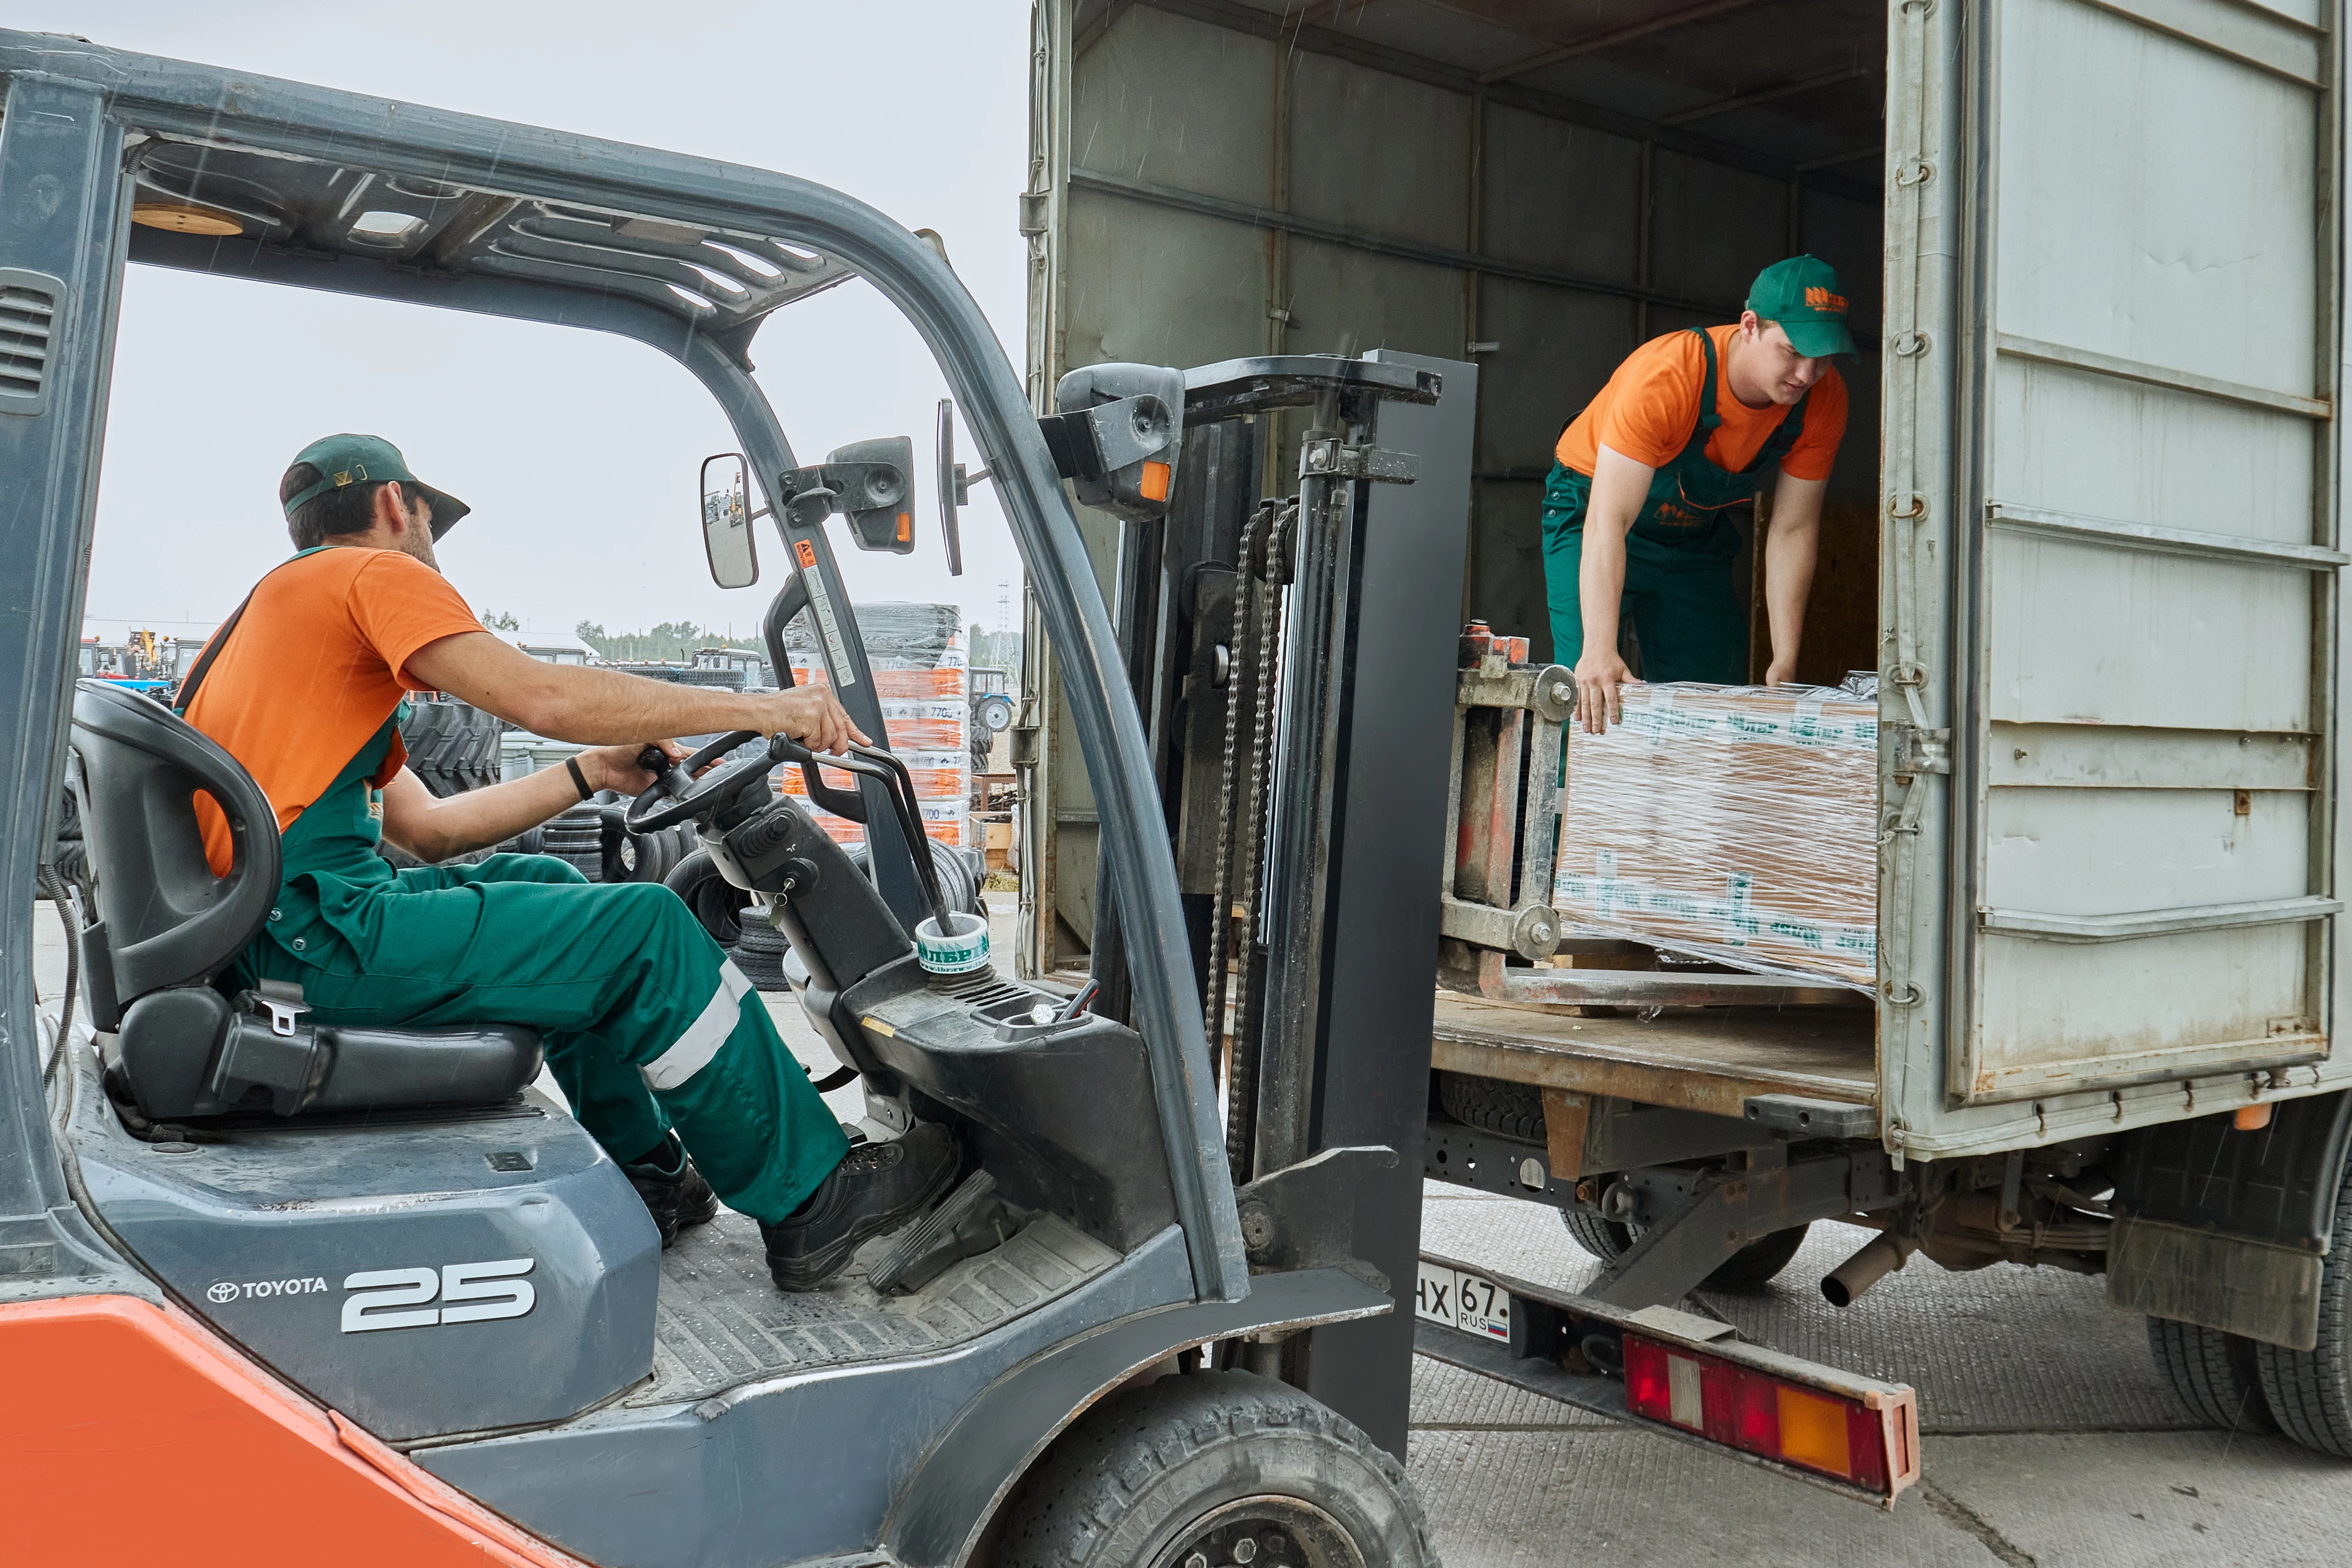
674, 1192
877, 1187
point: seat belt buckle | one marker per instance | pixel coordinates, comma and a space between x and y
283, 998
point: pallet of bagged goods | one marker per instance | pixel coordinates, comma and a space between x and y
917, 655
1732, 824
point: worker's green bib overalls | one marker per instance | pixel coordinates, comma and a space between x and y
1689, 616
646, 1021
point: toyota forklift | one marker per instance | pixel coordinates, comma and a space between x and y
278, 1293
271, 1290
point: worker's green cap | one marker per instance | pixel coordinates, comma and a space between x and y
350, 459
1803, 295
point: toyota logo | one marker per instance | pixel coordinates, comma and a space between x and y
222, 1293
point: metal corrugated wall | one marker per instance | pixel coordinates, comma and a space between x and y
1222, 192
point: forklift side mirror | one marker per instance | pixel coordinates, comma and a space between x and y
955, 488
1117, 435
874, 485
727, 520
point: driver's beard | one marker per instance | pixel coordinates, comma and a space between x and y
421, 547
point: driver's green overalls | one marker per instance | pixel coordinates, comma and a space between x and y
1688, 615
646, 1022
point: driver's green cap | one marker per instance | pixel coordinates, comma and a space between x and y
351, 459
1803, 295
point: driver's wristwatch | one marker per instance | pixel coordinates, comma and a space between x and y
578, 777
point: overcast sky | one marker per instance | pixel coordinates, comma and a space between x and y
578, 451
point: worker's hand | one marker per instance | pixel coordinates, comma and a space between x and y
615, 767
814, 717
1780, 672
1599, 675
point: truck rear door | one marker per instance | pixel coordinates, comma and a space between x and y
2138, 202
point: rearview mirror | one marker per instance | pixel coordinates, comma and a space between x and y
874, 485
727, 520
955, 488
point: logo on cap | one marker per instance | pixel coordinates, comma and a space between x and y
1822, 300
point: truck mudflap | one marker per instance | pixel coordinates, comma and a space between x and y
1681, 1376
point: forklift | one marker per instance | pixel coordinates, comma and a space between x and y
277, 1291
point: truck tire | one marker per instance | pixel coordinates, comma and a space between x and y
2217, 1375
2310, 1392
1513, 1110
718, 903
1605, 1239
1751, 1268
1186, 1469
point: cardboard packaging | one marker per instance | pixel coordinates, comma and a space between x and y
1735, 823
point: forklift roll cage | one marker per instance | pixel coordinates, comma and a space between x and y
532, 224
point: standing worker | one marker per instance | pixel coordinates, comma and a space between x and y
1638, 511
660, 1044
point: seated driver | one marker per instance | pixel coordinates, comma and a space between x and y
659, 1042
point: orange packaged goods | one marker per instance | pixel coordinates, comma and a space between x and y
1729, 822
929, 717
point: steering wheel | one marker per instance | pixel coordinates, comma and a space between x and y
675, 795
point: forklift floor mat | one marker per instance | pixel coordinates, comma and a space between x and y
722, 1321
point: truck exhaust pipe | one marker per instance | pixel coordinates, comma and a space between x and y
1843, 1285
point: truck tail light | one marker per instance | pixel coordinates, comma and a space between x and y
1872, 1447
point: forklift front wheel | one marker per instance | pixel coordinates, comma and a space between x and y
1209, 1468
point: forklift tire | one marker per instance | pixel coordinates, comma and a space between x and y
2218, 1375
1185, 1469
1751, 1268
2310, 1392
1513, 1110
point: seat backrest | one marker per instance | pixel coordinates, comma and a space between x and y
166, 919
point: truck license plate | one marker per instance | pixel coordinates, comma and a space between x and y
1460, 1301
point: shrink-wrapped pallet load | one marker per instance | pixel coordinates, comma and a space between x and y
1735, 823
917, 658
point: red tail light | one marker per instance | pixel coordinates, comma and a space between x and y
1778, 1418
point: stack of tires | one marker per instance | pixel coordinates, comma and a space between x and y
677, 675
577, 838
453, 746
591, 838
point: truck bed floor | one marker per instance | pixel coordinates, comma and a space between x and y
1702, 1059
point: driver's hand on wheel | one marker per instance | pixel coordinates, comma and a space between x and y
615, 767
814, 717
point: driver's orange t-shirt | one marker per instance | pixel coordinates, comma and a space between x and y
312, 669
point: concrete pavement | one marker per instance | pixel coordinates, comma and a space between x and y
2048, 1437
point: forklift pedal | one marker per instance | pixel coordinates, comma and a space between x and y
972, 1221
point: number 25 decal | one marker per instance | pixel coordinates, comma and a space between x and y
396, 1297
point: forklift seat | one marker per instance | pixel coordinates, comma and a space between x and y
166, 928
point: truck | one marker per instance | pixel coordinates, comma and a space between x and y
2085, 531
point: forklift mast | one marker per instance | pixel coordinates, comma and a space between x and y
1290, 638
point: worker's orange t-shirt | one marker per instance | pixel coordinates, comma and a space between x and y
314, 667
1650, 408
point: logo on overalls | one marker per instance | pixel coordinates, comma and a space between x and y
1822, 300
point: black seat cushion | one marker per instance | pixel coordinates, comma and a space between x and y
186, 1052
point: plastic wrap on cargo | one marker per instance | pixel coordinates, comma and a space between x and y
897, 636
1729, 822
928, 714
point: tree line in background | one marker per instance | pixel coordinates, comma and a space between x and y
671, 642
675, 642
